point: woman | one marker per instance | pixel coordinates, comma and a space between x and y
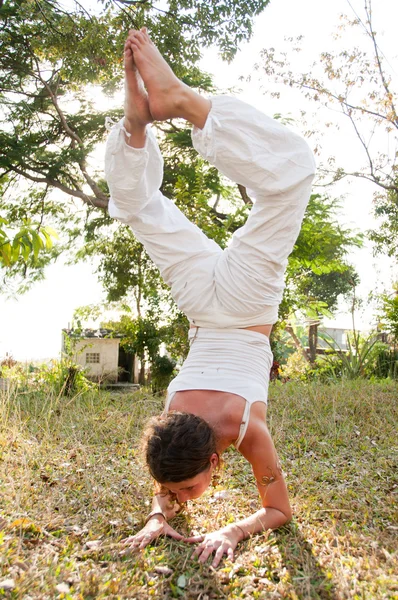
231, 297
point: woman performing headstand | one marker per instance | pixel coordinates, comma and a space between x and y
230, 296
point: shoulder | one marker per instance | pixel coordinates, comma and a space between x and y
257, 439
222, 410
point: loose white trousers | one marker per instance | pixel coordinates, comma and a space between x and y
242, 285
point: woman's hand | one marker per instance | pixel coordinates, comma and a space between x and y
223, 541
155, 527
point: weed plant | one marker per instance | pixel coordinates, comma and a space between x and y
72, 485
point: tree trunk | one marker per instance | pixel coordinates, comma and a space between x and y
313, 341
141, 378
297, 343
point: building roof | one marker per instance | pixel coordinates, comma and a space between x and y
100, 333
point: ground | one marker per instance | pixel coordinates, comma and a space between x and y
72, 485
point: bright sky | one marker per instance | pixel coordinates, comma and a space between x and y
30, 326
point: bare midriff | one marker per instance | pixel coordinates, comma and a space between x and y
264, 329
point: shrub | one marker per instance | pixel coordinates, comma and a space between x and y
296, 367
162, 372
62, 378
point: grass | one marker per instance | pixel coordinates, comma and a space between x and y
72, 486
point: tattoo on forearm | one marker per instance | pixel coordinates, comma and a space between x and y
268, 479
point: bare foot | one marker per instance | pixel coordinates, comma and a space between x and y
136, 105
167, 94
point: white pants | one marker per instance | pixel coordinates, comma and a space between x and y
242, 285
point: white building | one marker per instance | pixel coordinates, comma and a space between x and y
99, 352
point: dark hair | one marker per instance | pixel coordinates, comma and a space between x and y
178, 446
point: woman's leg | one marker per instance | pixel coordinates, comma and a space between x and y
134, 171
277, 167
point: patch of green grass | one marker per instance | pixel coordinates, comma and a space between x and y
72, 485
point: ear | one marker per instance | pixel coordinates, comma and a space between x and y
214, 460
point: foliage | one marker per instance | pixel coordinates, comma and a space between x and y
140, 335
327, 368
23, 250
318, 272
175, 335
361, 357
296, 367
162, 371
54, 64
389, 315
27, 243
386, 363
359, 83
59, 378
75, 469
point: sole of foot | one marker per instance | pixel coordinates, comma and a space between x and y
167, 95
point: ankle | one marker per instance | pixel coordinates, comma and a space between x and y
196, 109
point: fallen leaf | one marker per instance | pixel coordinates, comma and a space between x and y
93, 544
181, 581
7, 584
222, 494
165, 571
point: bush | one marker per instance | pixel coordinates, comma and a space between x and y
296, 367
162, 372
63, 378
386, 364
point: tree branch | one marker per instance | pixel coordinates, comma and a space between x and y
90, 200
298, 344
340, 100
243, 192
378, 61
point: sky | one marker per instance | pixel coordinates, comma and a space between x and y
30, 326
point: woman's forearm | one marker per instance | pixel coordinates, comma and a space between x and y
262, 520
162, 503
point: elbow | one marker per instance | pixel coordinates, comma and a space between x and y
285, 517
279, 517
288, 516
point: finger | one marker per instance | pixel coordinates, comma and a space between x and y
194, 539
230, 554
175, 535
199, 549
206, 553
128, 540
218, 556
147, 539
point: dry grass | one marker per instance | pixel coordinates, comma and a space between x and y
71, 487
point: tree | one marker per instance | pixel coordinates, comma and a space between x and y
389, 314
22, 250
358, 82
140, 337
50, 126
318, 272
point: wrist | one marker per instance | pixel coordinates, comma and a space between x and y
156, 514
239, 531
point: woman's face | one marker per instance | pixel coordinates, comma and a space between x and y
189, 489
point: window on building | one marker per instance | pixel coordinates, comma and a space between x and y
92, 357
